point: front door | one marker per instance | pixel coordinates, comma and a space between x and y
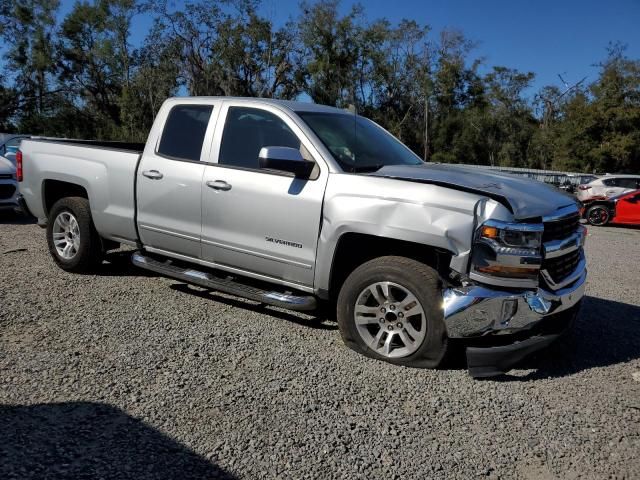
169, 181
255, 221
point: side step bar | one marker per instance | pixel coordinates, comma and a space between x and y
224, 284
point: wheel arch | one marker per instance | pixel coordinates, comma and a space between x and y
54, 190
353, 249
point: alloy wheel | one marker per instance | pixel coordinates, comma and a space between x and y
66, 235
390, 319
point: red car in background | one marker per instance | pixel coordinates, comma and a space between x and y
622, 209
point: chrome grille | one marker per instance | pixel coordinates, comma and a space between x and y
559, 268
560, 229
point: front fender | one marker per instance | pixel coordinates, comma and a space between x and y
394, 209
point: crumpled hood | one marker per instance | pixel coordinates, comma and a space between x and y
6, 166
526, 198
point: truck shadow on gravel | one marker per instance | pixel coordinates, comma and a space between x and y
8, 217
118, 264
606, 333
92, 440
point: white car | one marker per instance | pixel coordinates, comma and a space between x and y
608, 186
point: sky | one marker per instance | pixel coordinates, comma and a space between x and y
544, 36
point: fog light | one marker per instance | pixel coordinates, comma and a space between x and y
509, 309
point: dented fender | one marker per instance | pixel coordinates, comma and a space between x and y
431, 215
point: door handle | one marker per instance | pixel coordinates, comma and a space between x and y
218, 185
152, 174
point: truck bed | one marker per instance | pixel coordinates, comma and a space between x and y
106, 170
113, 145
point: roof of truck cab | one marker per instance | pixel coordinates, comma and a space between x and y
288, 104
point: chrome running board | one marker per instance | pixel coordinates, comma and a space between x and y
227, 284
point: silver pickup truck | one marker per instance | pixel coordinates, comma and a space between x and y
292, 204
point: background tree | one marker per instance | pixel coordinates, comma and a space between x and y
81, 76
28, 30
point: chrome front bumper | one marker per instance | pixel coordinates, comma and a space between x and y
476, 310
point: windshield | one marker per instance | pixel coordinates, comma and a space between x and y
358, 144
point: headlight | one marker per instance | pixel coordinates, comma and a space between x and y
527, 236
507, 253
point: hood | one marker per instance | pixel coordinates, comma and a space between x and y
6, 166
525, 198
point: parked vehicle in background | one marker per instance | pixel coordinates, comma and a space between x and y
290, 203
571, 182
8, 185
621, 209
9, 144
608, 186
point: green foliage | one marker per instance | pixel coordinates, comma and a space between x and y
79, 76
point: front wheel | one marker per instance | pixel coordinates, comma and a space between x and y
73, 240
390, 308
598, 215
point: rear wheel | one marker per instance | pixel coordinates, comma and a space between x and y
390, 309
73, 240
598, 215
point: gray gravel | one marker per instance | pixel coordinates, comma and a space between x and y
125, 375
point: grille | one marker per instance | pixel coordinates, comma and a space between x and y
560, 267
6, 191
560, 229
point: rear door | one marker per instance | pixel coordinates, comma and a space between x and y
612, 187
620, 185
169, 180
259, 222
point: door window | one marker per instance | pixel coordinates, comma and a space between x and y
611, 182
628, 183
184, 131
247, 130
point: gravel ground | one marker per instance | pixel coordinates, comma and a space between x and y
126, 375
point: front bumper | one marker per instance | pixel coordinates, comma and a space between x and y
8, 194
477, 310
504, 322
486, 359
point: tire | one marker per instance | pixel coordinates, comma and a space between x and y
400, 275
86, 254
598, 215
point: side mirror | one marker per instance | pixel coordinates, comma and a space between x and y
285, 159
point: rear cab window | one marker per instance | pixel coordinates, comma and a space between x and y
184, 132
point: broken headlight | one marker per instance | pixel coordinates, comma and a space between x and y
507, 254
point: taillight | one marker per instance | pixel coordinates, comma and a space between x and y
19, 165
584, 187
